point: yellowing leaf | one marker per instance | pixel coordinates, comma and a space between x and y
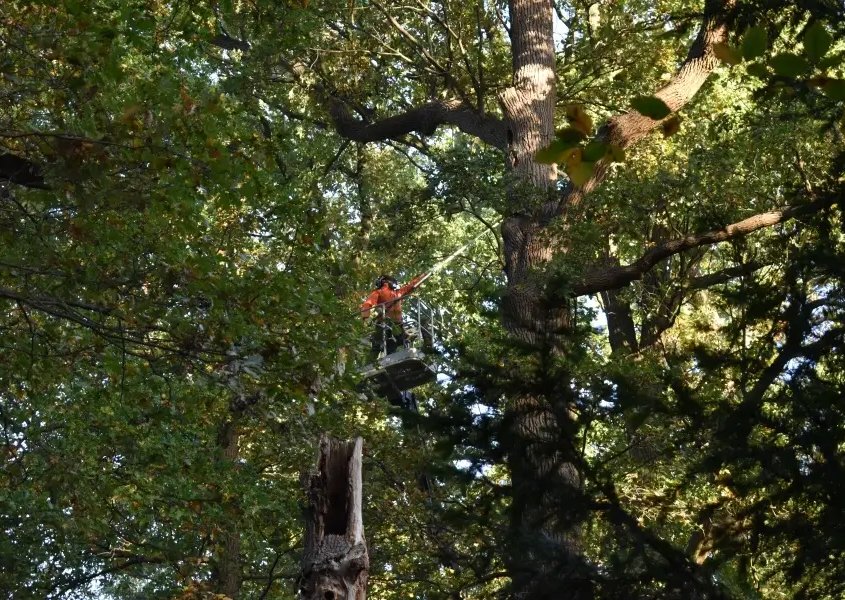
726, 54
617, 153
580, 173
671, 126
129, 113
554, 153
187, 102
573, 158
579, 119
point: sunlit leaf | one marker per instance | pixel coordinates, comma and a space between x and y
580, 173
617, 153
726, 54
754, 43
817, 42
594, 151
573, 157
554, 153
787, 64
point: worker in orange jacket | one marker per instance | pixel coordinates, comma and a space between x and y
386, 298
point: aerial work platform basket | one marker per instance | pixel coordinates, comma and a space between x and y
401, 364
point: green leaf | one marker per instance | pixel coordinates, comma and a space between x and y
834, 89
594, 151
581, 172
571, 136
832, 60
758, 70
787, 64
754, 43
816, 42
651, 106
554, 153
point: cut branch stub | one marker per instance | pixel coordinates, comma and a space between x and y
335, 563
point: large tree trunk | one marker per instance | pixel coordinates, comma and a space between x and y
542, 471
543, 459
229, 549
335, 562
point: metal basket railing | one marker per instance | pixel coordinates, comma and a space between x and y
424, 327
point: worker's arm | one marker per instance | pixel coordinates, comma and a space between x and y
370, 302
406, 289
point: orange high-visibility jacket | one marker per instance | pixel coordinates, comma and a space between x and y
386, 295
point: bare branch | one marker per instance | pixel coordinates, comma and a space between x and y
617, 277
47, 303
706, 281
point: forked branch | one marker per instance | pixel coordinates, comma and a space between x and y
616, 277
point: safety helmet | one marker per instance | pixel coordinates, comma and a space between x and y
385, 279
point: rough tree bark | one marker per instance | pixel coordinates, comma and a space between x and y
335, 562
536, 470
228, 568
543, 421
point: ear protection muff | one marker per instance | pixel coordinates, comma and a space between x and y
385, 279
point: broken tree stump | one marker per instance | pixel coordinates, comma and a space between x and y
335, 563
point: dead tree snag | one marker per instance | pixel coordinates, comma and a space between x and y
335, 562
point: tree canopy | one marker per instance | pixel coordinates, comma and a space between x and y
641, 395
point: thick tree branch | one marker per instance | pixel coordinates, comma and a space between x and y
424, 120
617, 277
631, 127
22, 172
625, 130
226, 42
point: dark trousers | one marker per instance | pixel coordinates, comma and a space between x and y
388, 336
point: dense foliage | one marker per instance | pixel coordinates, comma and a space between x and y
195, 196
